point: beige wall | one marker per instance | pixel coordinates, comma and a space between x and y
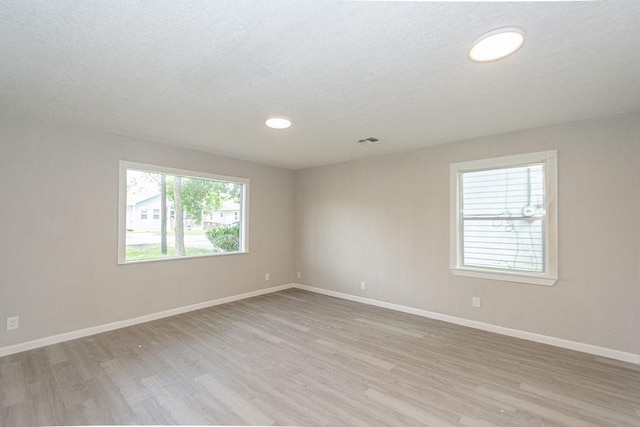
385, 220
58, 232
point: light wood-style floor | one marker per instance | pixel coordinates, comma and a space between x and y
299, 358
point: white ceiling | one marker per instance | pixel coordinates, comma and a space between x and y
205, 74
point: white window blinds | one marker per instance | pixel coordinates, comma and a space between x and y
502, 218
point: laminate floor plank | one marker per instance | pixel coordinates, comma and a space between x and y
299, 358
15, 391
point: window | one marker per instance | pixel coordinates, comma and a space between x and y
504, 218
187, 196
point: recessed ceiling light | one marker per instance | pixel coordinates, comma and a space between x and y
278, 122
497, 44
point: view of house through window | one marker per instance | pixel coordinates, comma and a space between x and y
192, 216
502, 218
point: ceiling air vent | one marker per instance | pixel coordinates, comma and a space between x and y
369, 141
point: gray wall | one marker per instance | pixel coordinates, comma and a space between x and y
58, 232
385, 220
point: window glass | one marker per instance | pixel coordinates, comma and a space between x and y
189, 227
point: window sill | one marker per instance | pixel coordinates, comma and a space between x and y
507, 277
173, 258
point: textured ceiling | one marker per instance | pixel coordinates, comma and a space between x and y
205, 74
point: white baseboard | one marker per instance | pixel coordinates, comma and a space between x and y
530, 336
68, 336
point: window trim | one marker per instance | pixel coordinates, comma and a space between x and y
122, 208
550, 275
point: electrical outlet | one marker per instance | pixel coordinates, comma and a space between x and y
475, 301
13, 323
267, 276
363, 285
298, 275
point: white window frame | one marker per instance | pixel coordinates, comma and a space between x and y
547, 277
122, 208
